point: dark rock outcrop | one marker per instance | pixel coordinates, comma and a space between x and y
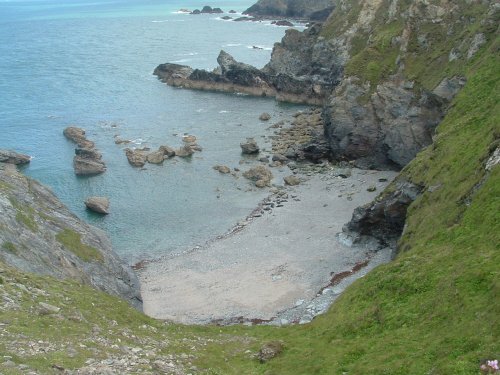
12, 157
283, 78
384, 218
386, 130
302, 9
44, 237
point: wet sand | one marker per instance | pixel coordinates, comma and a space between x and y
287, 255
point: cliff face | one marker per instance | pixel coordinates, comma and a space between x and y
308, 9
39, 234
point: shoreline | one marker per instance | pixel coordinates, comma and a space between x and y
282, 264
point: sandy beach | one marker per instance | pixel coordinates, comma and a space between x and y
279, 260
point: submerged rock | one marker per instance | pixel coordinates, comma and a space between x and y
265, 116
260, 175
292, 180
222, 169
185, 151
155, 157
98, 204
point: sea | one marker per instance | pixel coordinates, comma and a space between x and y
89, 64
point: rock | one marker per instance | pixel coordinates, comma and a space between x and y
98, 204
222, 169
47, 309
249, 147
260, 175
155, 157
47, 246
11, 157
283, 23
184, 151
387, 132
227, 18
342, 172
292, 180
371, 188
270, 350
240, 19
88, 161
264, 116
280, 158
189, 139
135, 157
383, 220
264, 160
289, 8
232, 11
167, 151
196, 11
77, 135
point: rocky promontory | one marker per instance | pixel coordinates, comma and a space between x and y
40, 235
304, 9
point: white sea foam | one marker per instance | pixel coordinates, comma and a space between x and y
223, 111
232, 45
138, 141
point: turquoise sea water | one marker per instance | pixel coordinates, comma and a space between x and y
90, 64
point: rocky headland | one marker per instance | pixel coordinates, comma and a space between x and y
316, 10
40, 235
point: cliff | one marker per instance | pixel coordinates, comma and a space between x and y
39, 234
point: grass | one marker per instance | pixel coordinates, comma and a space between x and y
73, 242
10, 247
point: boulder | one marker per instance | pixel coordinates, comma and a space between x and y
280, 158
77, 135
283, 23
184, 152
222, 169
196, 11
98, 204
11, 157
249, 147
265, 116
270, 350
135, 157
88, 167
167, 151
155, 157
292, 180
260, 175
207, 9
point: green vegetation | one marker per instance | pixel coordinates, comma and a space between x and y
73, 242
25, 215
10, 247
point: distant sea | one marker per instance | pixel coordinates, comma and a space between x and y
90, 64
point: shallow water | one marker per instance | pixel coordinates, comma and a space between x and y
90, 64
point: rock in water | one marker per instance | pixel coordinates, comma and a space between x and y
155, 157
265, 116
98, 204
87, 160
11, 157
292, 180
88, 167
167, 151
184, 151
222, 169
249, 147
135, 157
260, 175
